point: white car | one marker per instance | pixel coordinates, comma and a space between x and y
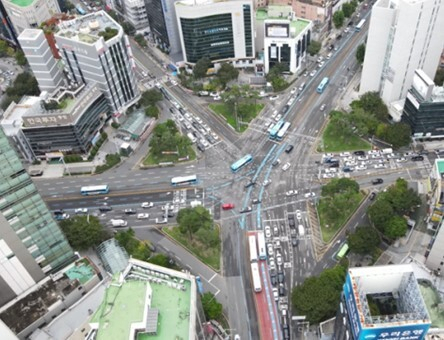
81, 210
266, 182
267, 230
312, 73
161, 220
391, 155
379, 166
270, 249
298, 215
373, 152
320, 59
309, 194
345, 154
293, 90
278, 117
274, 97
279, 259
147, 205
352, 163
401, 160
274, 114
321, 64
361, 167
328, 155
362, 158
323, 106
291, 192
143, 216
181, 119
275, 294
286, 166
328, 176
271, 263
214, 135
214, 94
198, 119
217, 98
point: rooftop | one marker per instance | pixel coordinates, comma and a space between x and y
275, 13
433, 302
148, 301
22, 3
440, 166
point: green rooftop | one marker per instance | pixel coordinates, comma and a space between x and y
122, 306
440, 165
267, 14
432, 300
81, 270
22, 3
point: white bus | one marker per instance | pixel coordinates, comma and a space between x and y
255, 275
184, 180
261, 245
283, 131
253, 248
359, 26
94, 190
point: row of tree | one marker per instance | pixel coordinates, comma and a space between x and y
24, 84
346, 11
148, 100
7, 50
166, 138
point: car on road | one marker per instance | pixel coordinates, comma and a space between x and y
417, 158
313, 73
266, 182
281, 289
227, 206
401, 160
362, 158
256, 201
286, 166
298, 215
81, 210
245, 210
276, 231
279, 259
321, 64
270, 249
274, 114
323, 106
291, 222
167, 214
309, 194
361, 167
275, 293
267, 230
359, 153
143, 216
293, 90
379, 166
372, 196
289, 148
273, 277
377, 181
291, 193
347, 169
147, 205
61, 217
281, 276
250, 184
237, 337
105, 208
271, 263
217, 98
278, 117
345, 154
161, 220
274, 97
320, 59
276, 162
130, 211
294, 240
214, 94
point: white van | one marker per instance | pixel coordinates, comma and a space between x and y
302, 87
191, 137
119, 223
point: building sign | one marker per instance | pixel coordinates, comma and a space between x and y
408, 331
277, 30
36, 121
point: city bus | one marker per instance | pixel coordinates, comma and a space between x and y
257, 285
253, 248
275, 129
343, 251
261, 245
283, 131
359, 26
94, 190
241, 163
80, 9
184, 180
322, 85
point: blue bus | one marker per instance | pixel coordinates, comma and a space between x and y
283, 131
359, 26
94, 190
275, 129
184, 180
80, 9
322, 85
241, 162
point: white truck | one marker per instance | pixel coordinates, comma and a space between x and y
118, 223
191, 137
301, 230
387, 151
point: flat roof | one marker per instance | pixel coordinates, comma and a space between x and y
440, 165
298, 24
22, 3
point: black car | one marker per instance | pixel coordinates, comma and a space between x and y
181, 110
285, 109
377, 181
196, 125
195, 134
130, 211
273, 277
372, 196
417, 158
289, 148
200, 147
339, 37
245, 210
172, 109
334, 165
210, 139
169, 214
250, 184
294, 241
281, 290
276, 162
105, 208
359, 153
281, 276
291, 222
59, 212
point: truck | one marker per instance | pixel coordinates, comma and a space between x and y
387, 151
191, 137
118, 223
301, 230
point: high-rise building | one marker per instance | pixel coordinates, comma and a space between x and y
163, 26
424, 107
404, 35
382, 302
31, 243
94, 48
219, 30
135, 13
46, 69
30, 13
7, 30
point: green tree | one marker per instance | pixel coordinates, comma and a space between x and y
380, 213
162, 260
339, 186
201, 67
360, 53
275, 77
211, 308
401, 198
69, 6
134, 247
83, 232
20, 58
152, 111
439, 77
314, 47
365, 123
140, 39
338, 19
396, 227
318, 297
398, 134
3, 48
128, 28
348, 9
190, 220
372, 103
226, 73
150, 97
364, 240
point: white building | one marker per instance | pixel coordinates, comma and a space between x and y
45, 67
94, 48
404, 35
135, 13
30, 13
281, 37
220, 30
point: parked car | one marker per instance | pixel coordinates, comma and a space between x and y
286, 166
274, 97
289, 148
161, 220
417, 158
105, 208
298, 215
323, 106
270, 249
372, 196
267, 230
276, 162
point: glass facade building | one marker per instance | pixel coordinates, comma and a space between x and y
31, 243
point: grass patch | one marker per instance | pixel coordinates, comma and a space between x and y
152, 159
250, 111
334, 141
208, 255
111, 160
331, 225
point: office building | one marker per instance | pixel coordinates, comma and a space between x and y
31, 243
162, 305
30, 13
317, 11
219, 30
382, 302
46, 69
404, 35
281, 37
424, 108
69, 121
163, 27
7, 30
135, 13
94, 48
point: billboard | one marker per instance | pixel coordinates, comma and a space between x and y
409, 331
277, 30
